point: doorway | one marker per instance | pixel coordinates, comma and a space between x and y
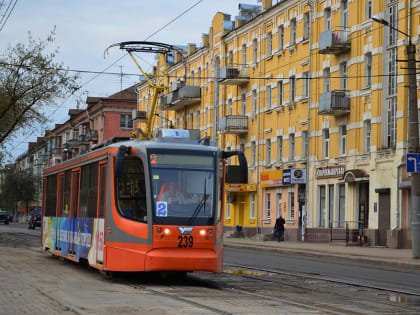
364, 205
384, 217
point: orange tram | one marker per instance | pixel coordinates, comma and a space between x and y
139, 205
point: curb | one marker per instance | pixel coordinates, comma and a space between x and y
361, 259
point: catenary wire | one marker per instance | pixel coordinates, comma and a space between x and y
7, 18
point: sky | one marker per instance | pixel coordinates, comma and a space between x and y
85, 28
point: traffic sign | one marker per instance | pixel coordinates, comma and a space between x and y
413, 162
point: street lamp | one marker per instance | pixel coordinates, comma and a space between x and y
413, 135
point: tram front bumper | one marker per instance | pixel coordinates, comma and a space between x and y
180, 259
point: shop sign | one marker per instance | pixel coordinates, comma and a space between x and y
240, 187
271, 179
294, 176
329, 172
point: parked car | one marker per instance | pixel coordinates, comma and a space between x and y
4, 217
35, 219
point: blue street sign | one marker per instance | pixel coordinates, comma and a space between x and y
413, 162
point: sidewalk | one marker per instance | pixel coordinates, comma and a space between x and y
377, 255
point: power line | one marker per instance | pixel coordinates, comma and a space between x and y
7, 18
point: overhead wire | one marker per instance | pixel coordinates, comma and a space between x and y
7, 18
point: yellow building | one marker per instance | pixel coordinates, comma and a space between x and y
312, 92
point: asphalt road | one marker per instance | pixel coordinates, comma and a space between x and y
364, 274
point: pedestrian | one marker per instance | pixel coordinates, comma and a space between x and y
279, 228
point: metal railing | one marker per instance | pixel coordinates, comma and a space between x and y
352, 232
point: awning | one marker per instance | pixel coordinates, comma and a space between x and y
405, 185
354, 176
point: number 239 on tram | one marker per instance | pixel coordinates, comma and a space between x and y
140, 205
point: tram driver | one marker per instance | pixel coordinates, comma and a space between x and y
172, 194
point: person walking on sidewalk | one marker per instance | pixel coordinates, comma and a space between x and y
279, 227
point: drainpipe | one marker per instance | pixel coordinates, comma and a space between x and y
398, 216
304, 211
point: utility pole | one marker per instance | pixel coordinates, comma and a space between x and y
413, 137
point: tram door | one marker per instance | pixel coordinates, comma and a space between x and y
75, 184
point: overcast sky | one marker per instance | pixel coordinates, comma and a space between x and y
85, 28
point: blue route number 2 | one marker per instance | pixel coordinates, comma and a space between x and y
161, 209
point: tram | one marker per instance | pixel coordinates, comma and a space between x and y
136, 205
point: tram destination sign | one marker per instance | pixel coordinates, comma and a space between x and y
329, 172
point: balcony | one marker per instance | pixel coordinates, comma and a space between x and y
232, 76
233, 124
83, 140
182, 97
334, 103
56, 151
92, 135
74, 143
335, 42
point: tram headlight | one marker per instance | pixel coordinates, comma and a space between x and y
166, 231
202, 232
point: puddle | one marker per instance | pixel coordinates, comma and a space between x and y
405, 299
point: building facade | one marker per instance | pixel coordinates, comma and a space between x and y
313, 93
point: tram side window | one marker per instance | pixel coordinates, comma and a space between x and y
131, 191
51, 200
89, 191
102, 192
64, 191
75, 197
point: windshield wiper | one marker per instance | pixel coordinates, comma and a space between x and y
200, 204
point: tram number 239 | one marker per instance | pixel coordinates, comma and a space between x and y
185, 241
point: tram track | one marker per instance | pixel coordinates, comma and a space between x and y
254, 275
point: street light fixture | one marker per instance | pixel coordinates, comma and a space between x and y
413, 135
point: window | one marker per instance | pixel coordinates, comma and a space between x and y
191, 120
291, 203
269, 44
393, 22
126, 121
343, 76
344, 17
327, 19
343, 139
254, 101
305, 79
267, 206
366, 133
102, 190
51, 200
278, 204
305, 144
199, 77
75, 193
131, 191
281, 37
279, 149
243, 104
368, 9
368, 70
192, 78
228, 203
268, 151
322, 196
326, 143
198, 119
268, 93
392, 71
230, 61
66, 194
252, 207
89, 191
392, 122
306, 26
253, 160
230, 106
292, 147
293, 31
330, 205
242, 147
341, 204
327, 82
279, 93
254, 50
292, 89
243, 58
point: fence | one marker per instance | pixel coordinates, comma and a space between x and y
352, 233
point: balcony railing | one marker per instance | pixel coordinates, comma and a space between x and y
184, 96
335, 42
334, 103
56, 151
233, 124
92, 135
232, 76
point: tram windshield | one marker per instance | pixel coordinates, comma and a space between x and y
183, 187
